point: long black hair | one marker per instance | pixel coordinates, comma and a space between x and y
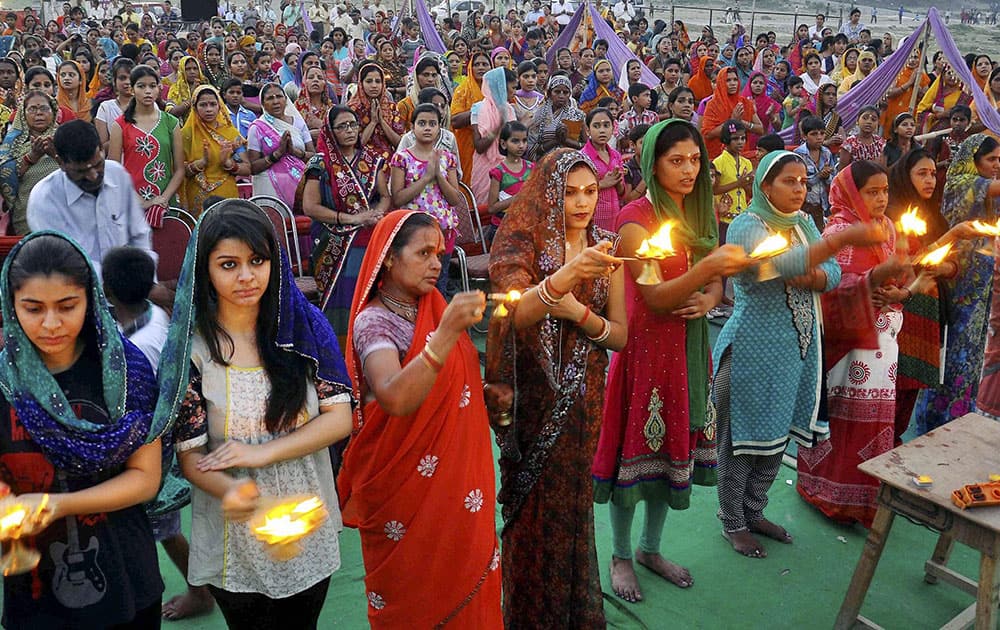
287, 372
902, 194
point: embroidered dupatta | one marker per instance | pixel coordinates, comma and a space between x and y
530, 245
403, 477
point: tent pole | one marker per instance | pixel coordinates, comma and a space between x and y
920, 67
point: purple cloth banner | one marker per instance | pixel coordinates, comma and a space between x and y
883, 77
565, 38
432, 39
618, 52
987, 114
306, 22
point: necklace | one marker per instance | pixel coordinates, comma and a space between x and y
406, 310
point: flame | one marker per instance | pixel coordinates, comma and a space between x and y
911, 224
288, 522
987, 229
513, 295
658, 245
774, 244
936, 257
12, 519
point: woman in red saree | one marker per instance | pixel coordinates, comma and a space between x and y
862, 318
419, 468
551, 351
727, 104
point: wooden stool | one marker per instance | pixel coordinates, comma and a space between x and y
964, 451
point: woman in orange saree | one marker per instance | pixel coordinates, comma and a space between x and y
897, 99
419, 466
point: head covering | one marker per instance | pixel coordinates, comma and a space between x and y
903, 195
761, 206
181, 90
497, 51
623, 82
700, 82
595, 91
697, 230
301, 328
82, 106
390, 458
966, 191
16, 145
763, 103
858, 75
196, 134
530, 245
129, 388
840, 68
361, 103
720, 109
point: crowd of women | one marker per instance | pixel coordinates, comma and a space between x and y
382, 144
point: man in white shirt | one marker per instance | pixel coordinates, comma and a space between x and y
853, 28
535, 13
319, 16
367, 13
267, 13
562, 11
623, 10
89, 198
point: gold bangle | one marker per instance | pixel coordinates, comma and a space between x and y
433, 355
427, 362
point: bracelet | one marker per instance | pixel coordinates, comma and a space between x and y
605, 331
545, 296
909, 294
27, 158
552, 290
234, 168
427, 362
338, 219
433, 355
586, 316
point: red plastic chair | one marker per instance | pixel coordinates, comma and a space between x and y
170, 242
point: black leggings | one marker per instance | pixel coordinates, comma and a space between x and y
249, 611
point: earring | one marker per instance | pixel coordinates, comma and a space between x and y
388, 264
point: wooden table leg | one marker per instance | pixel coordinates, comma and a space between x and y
942, 551
863, 573
988, 598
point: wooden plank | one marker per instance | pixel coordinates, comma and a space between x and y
942, 552
865, 622
950, 576
966, 450
962, 620
988, 599
862, 578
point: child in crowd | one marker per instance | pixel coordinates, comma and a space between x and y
819, 169
507, 178
615, 108
768, 144
263, 72
127, 274
732, 189
609, 165
635, 186
241, 116
527, 99
867, 144
424, 179
446, 141
794, 102
640, 113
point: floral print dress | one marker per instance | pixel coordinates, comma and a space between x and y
149, 159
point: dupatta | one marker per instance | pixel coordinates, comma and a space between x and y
594, 91
848, 313
492, 113
763, 104
403, 477
720, 109
362, 104
700, 83
181, 90
695, 227
340, 177
284, 174
196, 134
73, 444
82, 106
530, 245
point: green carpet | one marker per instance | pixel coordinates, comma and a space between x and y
796, 586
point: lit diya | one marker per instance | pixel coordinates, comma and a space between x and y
500, 300
911, 224
765, 251
988, 230
655, 248
934, 258
282, 523
13, 512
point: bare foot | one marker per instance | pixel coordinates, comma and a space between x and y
745, 543
624, 582
773, 531
196, 601
669, 571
